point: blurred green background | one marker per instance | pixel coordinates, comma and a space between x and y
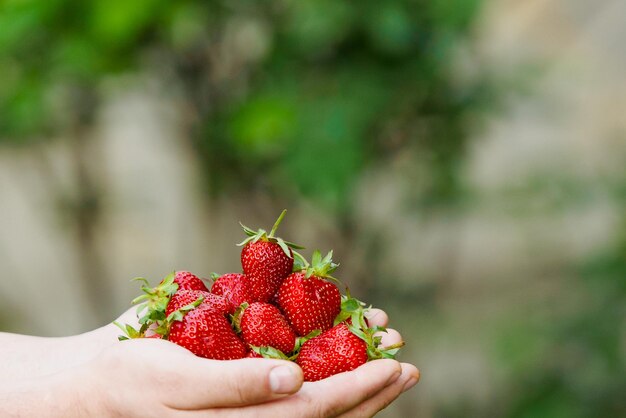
465, 159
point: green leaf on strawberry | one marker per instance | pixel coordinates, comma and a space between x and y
263, 235
130, 332
353, 313
302, 340
270, 352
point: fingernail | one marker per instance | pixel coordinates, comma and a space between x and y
283, 380
409, 384
369, 314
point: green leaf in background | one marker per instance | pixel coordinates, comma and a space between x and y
391, 28
264, 126
317, 26
23, 110
119, 23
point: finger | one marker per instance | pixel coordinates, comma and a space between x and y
376, 317
203, 383
328, 397
369, 408
337, 394
344, 391
390, 337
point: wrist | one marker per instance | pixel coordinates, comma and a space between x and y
59, 395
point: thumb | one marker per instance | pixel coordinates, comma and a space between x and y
218, 383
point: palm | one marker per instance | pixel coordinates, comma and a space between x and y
171, 379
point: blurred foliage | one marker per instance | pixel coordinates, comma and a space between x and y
577, 364
291, 96
341, 87
300, 97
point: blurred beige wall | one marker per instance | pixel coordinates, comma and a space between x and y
570, 127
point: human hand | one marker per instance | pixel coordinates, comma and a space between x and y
150, 377
357, 394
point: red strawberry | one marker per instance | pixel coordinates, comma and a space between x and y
234, 287
157, 299
185, 297
263, 325
350, 343
206, 332
267, 265
266, 260
336, 350
308, 301
189, 281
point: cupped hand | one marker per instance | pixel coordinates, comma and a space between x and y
151, 377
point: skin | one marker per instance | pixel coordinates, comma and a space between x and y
93, 374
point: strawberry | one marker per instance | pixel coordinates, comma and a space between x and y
185, 297
173, 292
234, 287
336, 350
266, 260
344, 347
308, 301
206, 332
158, 297
189, 281
263, 325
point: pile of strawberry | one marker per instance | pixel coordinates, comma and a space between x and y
281, 306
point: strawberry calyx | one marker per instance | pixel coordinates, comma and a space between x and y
152, 308
235, 318
301, 340
271, 352
263, 235
153, 302
130, 332
353, 314
163, 326
319, 267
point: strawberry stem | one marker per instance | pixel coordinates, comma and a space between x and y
394, 346
262, 235
300, 262
278, 221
